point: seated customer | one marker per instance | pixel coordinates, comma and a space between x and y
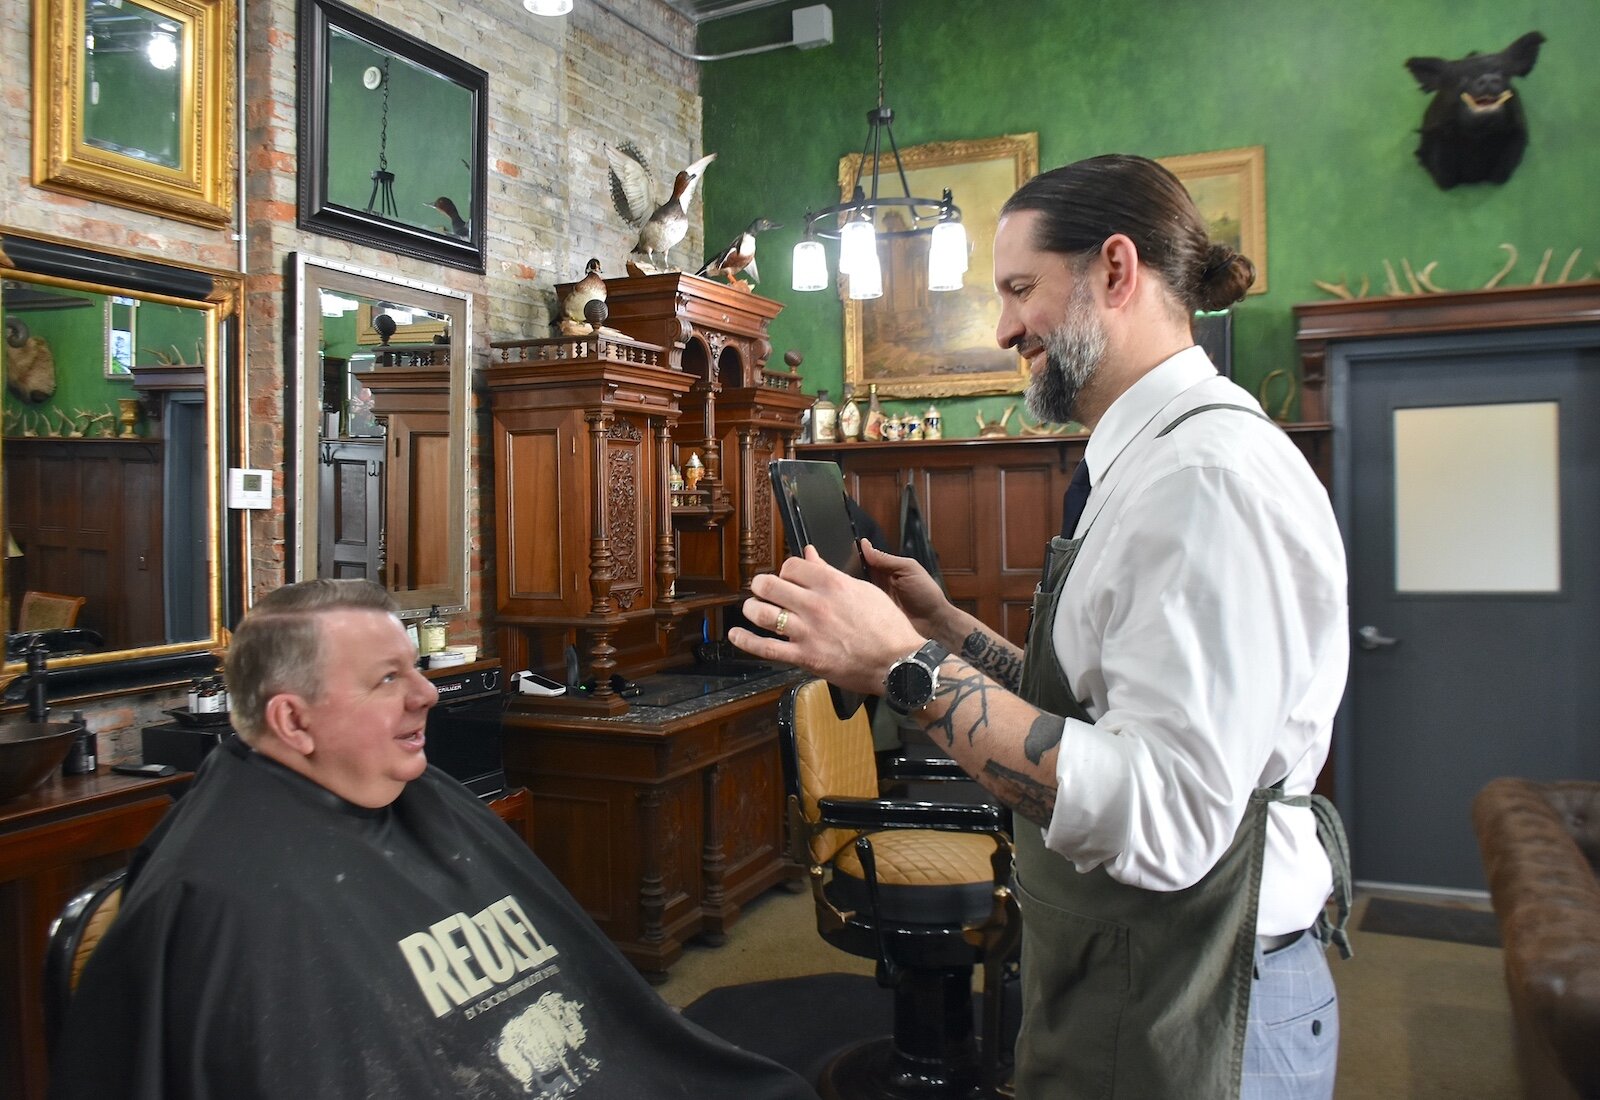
324, 915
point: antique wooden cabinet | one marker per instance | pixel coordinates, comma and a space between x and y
411, 393
54, 841
662, 819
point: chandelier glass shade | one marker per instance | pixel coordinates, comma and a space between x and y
548, 7
871, 215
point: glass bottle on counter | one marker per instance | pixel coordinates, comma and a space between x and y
824, 419
849, 417
872, 423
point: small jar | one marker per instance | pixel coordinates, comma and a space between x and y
932, 423
431, 639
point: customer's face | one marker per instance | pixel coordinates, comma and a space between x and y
366, 726
1048, 313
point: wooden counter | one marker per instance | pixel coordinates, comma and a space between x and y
54, 841
662, 821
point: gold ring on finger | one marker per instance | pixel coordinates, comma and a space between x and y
782, 622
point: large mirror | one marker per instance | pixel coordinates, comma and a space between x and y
110, 460
133, 103
392, 138
383, 432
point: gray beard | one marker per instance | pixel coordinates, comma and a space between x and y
1074, 351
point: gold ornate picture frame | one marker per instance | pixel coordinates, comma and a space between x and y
915, 343
1230, 188
102, 72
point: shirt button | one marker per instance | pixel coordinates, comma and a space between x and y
1316, 1027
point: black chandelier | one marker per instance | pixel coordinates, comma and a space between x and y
858, 230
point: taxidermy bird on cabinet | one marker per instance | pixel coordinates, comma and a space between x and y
661, 224
1474, 130
590, 288
740, 255
458, 224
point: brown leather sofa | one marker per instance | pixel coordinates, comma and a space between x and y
1541, 852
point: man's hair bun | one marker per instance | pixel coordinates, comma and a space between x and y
1226, 278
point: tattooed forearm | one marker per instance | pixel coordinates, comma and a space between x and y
1027, 796
1001, 660
968, 693
1043, 735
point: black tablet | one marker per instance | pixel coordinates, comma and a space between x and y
811, 500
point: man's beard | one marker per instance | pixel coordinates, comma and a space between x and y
1074, 351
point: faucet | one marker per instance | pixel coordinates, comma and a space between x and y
36, 648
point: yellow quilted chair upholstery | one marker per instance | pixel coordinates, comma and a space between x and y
74, 935
923, 888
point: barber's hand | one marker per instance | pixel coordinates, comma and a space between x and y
909, 585
846, 631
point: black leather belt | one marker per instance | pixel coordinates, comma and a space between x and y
1269, 944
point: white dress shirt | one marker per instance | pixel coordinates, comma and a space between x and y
1205, 629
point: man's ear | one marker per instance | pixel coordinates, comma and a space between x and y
1121, 257
285, 720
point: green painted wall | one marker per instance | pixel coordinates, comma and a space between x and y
426, 146
77, 340
1322, 86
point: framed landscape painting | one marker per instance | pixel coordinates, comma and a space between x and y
1230, 188
913, 342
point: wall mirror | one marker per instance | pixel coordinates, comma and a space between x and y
133, 103
392, 138
383, 432
110, 511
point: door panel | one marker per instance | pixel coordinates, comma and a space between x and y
1487, 675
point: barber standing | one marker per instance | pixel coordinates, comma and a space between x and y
1161, 735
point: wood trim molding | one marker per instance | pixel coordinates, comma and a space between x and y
1318, 324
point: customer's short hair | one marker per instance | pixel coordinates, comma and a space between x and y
1083, 203
278, 645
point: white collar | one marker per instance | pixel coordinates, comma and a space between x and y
1139, 403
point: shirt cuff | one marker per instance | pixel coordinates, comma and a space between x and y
1092, 769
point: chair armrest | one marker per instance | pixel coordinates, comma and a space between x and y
888, 813
922, 769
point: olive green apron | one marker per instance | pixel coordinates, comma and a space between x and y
1129, 992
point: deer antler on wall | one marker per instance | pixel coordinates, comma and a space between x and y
1421, 281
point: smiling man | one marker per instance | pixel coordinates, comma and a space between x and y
324, 915
1160, 735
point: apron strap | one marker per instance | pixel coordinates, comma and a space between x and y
1330, 831
1215, 405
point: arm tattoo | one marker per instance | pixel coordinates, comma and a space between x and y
1032, 799
1002, 661
1043, 735
970, 685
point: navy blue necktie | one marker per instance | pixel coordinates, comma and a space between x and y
1076, 497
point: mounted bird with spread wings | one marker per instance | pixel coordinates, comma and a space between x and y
662, 224
740, 255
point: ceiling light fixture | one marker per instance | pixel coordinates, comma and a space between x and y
548, 7
859, 223
161, 50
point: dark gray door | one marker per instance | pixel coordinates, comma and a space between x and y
1468, 488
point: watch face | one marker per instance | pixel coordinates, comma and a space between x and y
909, 685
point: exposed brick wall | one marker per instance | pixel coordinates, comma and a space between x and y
558, 90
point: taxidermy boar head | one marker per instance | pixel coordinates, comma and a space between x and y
1474, 130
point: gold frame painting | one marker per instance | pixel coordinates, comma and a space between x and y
915, 343
1230, 188
199, 188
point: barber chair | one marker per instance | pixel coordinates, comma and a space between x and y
47, 611
922, 888
73, 937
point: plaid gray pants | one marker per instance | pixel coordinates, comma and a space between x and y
1291, 1047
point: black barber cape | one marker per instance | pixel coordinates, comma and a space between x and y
278, 941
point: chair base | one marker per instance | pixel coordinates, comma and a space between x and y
875, 1070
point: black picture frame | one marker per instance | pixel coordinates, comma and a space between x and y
408, 232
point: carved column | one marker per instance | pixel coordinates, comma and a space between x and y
666, 559
601, 566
